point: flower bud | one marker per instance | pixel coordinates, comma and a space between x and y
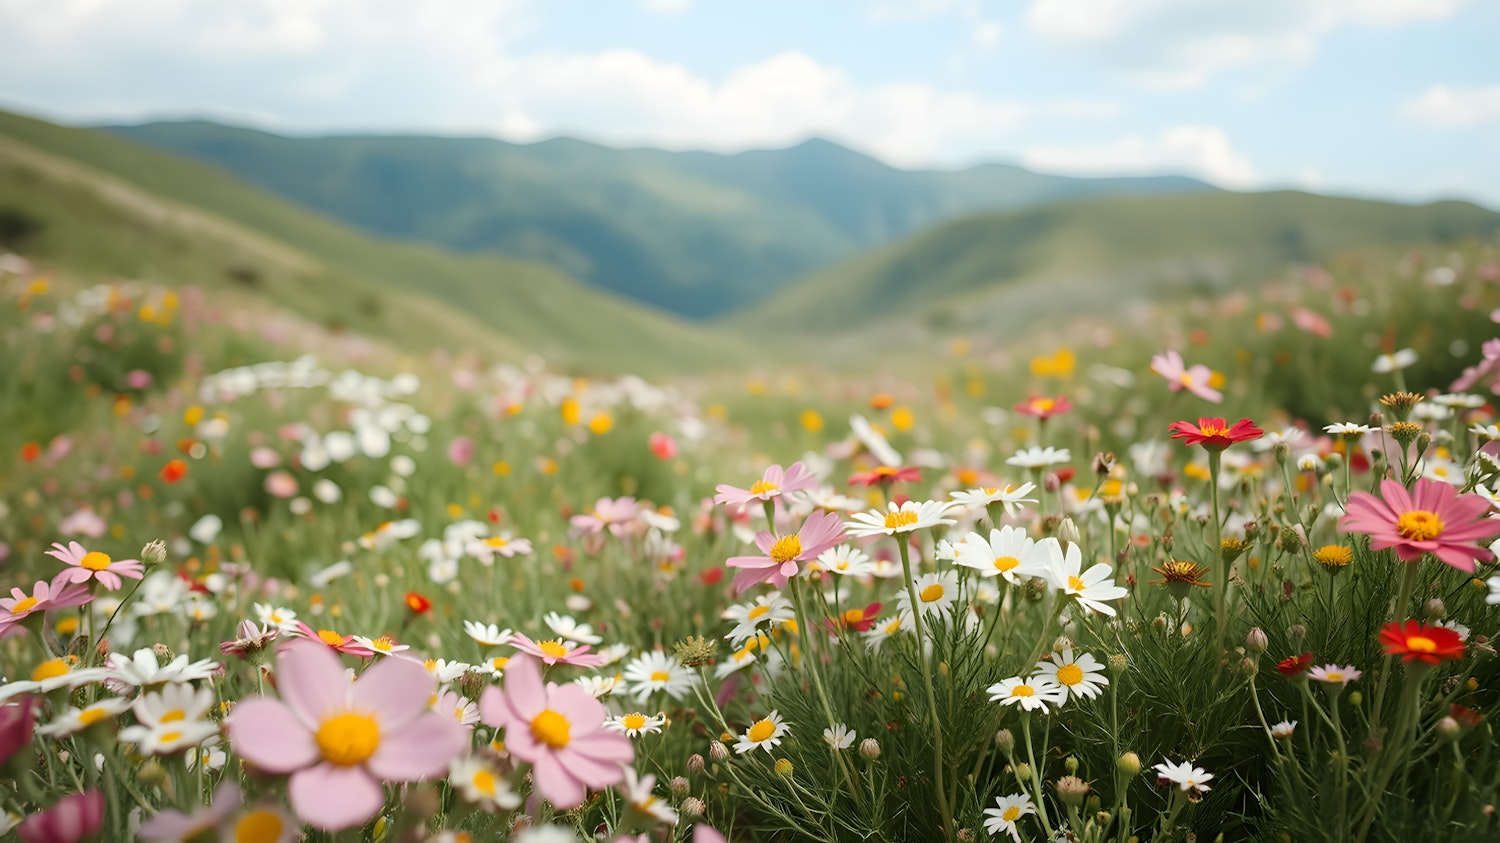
163, 653
1435, 609
1448, 729
1256, 642
692, 807
1072, 790
1071, 764
695, 763
154, 553
783, 767
1129, 764
1247, 666
1118, 662
1023, 772
1067, 532
966, 835
679, 786
1296, 633
1005, 740
869, 748
1355, 698
1063, 642
718, 751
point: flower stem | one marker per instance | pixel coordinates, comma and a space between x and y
937, 727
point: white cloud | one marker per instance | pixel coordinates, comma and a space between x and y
1181, 43
1454, 108
987, 35
667, 7
1203, 151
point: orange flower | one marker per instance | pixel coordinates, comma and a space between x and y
30, 451
1416, 641
418, 604
173, 471
1215, 434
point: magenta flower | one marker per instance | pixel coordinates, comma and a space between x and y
556, 651
1180, 377
819, 532
618, 515
559, 730
70, 819
772, 484
44, 596
16, 721
340, 741
85, 565
1433, 518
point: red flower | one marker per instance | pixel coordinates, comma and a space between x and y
1044, 408
859, 620
1215, 434
30, 451
173, 471
1295, 666
1415, 641
885, 475
418, 604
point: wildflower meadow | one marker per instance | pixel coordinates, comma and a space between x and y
1218, 570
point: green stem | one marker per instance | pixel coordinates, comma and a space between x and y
937, 728
1036, 780
814, 663
1216, 552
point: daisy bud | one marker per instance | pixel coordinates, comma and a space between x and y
679, 786
1252, 529
696, 651
1256, 641
1355, 698
163, 654
1067, 533
1449, 729
869, 748
1063, 642
1435, 609
692, 807
1118, 663
718, 751
783, 767
1023, 772
151, 774
1072, 790
695, 763
1283, 451
966, 835
1129, 764
1247, 666
154, 553
1005, 740
1295, 633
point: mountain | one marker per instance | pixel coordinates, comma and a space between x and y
695, 233
101, 206
1002, 271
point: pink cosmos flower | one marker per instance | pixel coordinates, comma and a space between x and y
339, 740
784, 554
559, 730
1179, 377
1433, 518
91, 564
556, 651
252, 823
335, 641
44, 597
1481, 370
618, 515
773, 483
70, 819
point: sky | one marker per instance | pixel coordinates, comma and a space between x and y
1383, 98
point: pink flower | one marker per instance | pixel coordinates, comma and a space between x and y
1433, 518
336, 641
281, 484
662, 445
16, 720
461, 451
44, 596
91, 564
264, 457
138, 378
69, 820
1312, 322
616, 514
339, 740
1481, 370
773, 483
559, 730
556, 651
819, 532
1194, 380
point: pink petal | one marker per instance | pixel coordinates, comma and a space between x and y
555, 783
311, 680
611, 748
419, 750
395, 689
523, 687
1460, 558
1396, 497
494, 708
333, 798
755, 562
765, 541
264, 733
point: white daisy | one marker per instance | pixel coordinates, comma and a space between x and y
1188, 778
578, 633
877, 634
1080, 675
504, 544
53, 674
764, 733
276, 616
635, 723
1349, 429
482, 785
210, 754
1037, 693
613, 653
383, 646
936, 593
173, 704
445, 671
657, 671
1008, 552
442, 571
389, 533
1391, 362
638, 792
846, 560
743, 658
141, 670
768, 609
838, 736
1284, 729
1035, 457
1494, 583
487, 635
459, 707
77, 719
1007, 811
1011, 496
906, 518
1090, 588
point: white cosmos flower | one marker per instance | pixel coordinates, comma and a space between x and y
1008, 552
1036, 693
906, 518
1080, 676
1090, 588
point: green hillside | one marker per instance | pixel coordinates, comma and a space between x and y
1005, 270
695, 233
103, 206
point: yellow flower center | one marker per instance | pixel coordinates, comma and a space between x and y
554, 649
497, 541
331, 638
1185, 379
551, 728
1011, 814
634, 721
484, 782
94, 561
761, 487
171, 737
761, 731
1421, 644
1043, 404
1419, 525
349, 738
24, 605
173, 716
757, 612
499, 662
1023, 691
259, 827
786, 549
49, 669
931, 593
384, 644
1006, 563
1075, 584
1335, 677
854, 615
900, 518
660, 676
1070, 674
90, 716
